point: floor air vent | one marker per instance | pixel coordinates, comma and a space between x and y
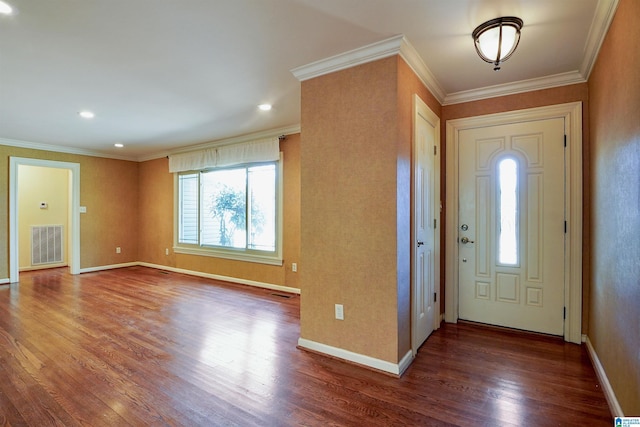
46, 244
281, 296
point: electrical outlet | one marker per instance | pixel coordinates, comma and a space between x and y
118, 250
339, 312
294, 267
166, 251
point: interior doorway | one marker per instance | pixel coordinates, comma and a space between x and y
73, 230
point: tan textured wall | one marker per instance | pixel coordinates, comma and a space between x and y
539, 98
109, 190
349, 168
156, 212
157, 220
614, 91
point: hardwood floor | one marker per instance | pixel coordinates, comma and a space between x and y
138, 346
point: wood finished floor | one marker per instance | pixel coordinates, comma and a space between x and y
138, 346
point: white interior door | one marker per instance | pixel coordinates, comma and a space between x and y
511, 231
426, 208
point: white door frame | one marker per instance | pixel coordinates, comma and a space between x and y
572, 113
74, 231
422, 109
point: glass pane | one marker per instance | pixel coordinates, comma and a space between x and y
508, 212
224, 202
262, 212
188, 209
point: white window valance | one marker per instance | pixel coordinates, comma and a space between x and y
263, 150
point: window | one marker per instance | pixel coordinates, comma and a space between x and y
508, 212
231, 212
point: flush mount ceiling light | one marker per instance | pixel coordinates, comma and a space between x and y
264, 107
5, 9
86, 114
118, 145
497, 39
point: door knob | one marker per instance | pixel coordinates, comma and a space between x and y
466, 240
420, 243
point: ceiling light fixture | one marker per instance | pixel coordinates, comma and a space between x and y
119, 145
5, 9
497, 39
86, 114
264, 107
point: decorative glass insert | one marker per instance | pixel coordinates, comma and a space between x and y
508, 212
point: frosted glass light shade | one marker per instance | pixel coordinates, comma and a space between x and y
496, 40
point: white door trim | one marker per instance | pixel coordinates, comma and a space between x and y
14, 163
422, 109
572, 113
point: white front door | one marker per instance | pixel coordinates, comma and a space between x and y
426, 209
511, 228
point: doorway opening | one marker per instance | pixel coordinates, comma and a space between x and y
73, 229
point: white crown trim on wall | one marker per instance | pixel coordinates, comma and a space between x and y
605, 10
342, 61
396, 45
399, 45
562, 79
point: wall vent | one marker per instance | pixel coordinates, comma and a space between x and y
46, 244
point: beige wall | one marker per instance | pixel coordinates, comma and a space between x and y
40, 184
156, 219
109, 190
356, 207
614, 91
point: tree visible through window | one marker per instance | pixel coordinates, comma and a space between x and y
236, 208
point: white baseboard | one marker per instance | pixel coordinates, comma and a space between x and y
223, 278
108, 267
609, 394
189, 272
360, 359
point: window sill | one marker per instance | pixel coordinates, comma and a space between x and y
236, 256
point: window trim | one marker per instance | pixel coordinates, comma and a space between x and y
246, 255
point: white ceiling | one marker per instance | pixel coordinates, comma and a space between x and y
165, 74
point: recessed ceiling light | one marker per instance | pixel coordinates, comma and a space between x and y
86, 114
5, 9
117, 144
264, 107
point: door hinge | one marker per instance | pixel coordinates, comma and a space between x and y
564, 313
435, 150
565, 140
435, 297
565, 227
434, 223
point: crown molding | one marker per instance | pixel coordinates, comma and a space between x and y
605, 11
556, 80
396, 45
342, 61
288, 130
413, 59
61, 149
